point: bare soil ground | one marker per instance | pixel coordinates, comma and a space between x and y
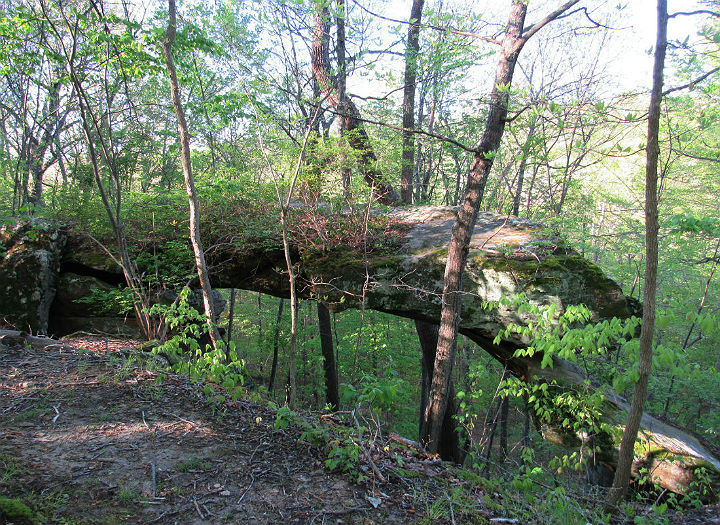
88, 436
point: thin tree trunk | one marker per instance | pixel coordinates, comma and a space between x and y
512, 44
526, 429
200, 263
284, 203
276, 346
411, 56
332, 397
231, 315
503, 421
627, 446
521, 168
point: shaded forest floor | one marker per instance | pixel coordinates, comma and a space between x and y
88, 435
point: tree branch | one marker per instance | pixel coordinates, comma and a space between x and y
698, 12
692, 83
527, 33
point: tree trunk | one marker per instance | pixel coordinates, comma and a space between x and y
200, 264
276, 346
521, 168
627, 446
411, 55
512, 44
450, 438
464, 224
503, 421
350, 116
332, 397
341, 80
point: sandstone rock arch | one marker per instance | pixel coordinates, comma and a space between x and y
507, 256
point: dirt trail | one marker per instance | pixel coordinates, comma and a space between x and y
88, 438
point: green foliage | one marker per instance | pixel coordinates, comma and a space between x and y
15, 511
343, 458
568, 334
114, 302
285, 417
220, 366
377, 393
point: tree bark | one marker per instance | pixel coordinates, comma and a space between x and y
200, 264
332, 397
345, 172
358, 138
449, 447
276, 346
627, 446
462, 230
512, 44
411, 56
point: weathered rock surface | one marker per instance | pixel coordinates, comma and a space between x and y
30, 252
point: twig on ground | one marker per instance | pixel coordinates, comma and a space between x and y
197, 508
410, 443
178, 417
367, 454
252, 481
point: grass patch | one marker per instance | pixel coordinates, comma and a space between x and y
127, 495
31, 414
192, 464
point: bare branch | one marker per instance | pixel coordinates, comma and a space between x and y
692, 83
698, 12
549, 18
431, 26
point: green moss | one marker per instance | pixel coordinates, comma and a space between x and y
339, 261
387, 261
15, 511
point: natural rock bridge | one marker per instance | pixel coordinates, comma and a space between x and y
507, 256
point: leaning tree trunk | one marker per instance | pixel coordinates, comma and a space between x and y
512, 44
200, 264
450, 436
627, 445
